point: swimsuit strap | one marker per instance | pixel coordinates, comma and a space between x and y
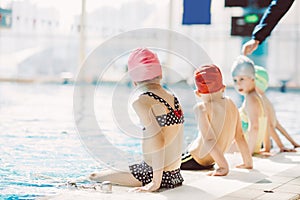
261, 105
176, 103
161, 100
171, 118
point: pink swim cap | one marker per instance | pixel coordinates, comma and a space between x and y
208, 79
143, 65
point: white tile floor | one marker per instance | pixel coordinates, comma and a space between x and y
272, 178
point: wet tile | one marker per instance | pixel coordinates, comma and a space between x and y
276, 196
228, 197
289, 174
295, 181
264, 185
247, 193
292, 172
279, 179
288, 188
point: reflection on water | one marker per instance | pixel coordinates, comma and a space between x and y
41, 150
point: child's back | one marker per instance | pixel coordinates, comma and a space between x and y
218, 123
169, 126
223, 116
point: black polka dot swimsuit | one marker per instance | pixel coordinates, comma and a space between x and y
171, 118
143, 172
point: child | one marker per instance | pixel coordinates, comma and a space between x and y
252, 110
161, 115
261, 81
219, 124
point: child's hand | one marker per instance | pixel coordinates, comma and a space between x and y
284, 149
151, 187
296, 146
243, 166
219, 172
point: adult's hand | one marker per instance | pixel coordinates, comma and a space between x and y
249, 47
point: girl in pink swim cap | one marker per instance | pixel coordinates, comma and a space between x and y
143, 65
161, 115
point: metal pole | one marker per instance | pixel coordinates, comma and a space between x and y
297, 50
82, 31
170, 20
170, 27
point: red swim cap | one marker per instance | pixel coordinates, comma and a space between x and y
208, 79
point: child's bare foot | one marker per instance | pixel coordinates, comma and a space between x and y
94, 176
265, 153
284, 149
218, 172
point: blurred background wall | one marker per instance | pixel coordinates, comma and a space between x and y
41, 39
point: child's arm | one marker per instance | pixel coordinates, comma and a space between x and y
278, 126
243, 146
210, 141
277, 140
153, 135
253, 112
158, 153
285, 133
267, 142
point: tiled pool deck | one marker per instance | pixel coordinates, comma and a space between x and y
276, 177
283, 185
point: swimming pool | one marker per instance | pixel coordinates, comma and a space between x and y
41, 150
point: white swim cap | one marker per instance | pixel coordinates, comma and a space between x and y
243, 66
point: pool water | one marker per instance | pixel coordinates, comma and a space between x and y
41, 150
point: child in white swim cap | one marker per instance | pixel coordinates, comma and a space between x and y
252, 110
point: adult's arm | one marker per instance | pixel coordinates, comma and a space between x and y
270, 19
